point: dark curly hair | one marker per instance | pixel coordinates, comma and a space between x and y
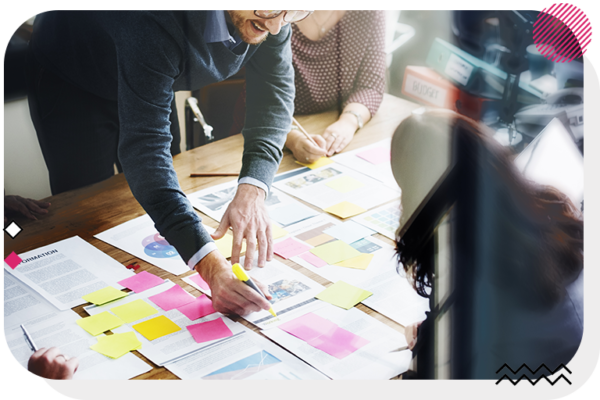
540, 227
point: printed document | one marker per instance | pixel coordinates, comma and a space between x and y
246, 355
392, 295
375, 360
64, 271
139, 238
282, 208
49, 327
372, 160
334, 184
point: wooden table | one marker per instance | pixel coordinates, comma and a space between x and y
93, 209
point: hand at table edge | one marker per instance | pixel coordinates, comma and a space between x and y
51, 364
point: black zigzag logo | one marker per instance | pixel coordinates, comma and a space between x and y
533, 383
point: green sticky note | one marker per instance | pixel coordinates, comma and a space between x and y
103, 296
345, 184
133, 311
343, 295
335, 252
117, 345
156, 327
96, 324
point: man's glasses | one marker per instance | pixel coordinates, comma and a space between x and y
289, 16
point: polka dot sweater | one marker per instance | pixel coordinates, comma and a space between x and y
346, 66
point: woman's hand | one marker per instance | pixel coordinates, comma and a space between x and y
303, 149
49, 363
27, 207
339, 134
411, 332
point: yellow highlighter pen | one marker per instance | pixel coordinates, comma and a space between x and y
241, 274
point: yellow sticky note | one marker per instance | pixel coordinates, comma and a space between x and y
334, 252
96, 324
345, 209
359, 262
343, 295
277, 231
117, 345
345, 184
134, 310
103, 296
225, 245
156, 327
317, 164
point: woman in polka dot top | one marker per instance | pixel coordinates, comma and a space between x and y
339, 63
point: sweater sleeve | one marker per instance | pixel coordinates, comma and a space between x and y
146, 72
369, 84
269, 107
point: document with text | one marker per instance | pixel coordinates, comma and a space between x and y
333, 184
64, 271
139, 238
246, 355
62, 331
374, 359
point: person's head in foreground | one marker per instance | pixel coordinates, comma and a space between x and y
517, 246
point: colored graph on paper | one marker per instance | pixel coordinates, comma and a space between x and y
245, 367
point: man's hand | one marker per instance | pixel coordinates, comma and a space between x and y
49, 363
28, 207
248, 217
229, 294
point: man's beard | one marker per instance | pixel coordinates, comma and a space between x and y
239, 22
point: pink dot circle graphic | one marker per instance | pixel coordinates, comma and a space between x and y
156, 246
562, 32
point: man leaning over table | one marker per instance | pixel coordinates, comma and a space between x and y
102, 85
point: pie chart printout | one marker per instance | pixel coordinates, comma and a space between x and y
156, 246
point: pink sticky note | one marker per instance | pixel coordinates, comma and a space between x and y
200, 307
13, 260
197, 279
142, 281
289, 248
338, 342
211, 330
308, 327
376, 155
172, 298
312, 259
324, 335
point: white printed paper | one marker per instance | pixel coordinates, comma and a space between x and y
320, 187
372, 361
245, 356
139, 238
64, 271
